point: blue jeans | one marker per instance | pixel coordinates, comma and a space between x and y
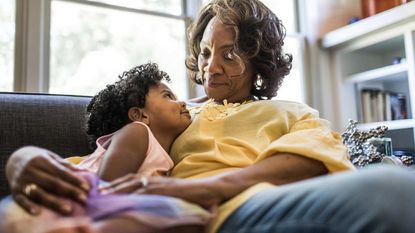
377, 199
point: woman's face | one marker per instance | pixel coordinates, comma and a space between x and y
225, 76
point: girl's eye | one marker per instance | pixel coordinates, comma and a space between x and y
170, 96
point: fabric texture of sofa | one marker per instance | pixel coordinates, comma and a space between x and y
55, 122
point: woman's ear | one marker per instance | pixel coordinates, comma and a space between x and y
138, 114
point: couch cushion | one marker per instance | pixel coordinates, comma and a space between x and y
55, 122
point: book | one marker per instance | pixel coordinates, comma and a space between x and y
366, 109
388, 109
398, 106
378, 105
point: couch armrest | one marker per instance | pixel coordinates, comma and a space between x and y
55, 122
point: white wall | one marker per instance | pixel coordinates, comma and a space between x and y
318, 18
326, 15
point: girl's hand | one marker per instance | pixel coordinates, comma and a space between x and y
203, 192
38, 177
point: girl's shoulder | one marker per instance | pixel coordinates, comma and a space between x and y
134, 130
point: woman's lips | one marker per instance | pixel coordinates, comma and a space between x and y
214, 85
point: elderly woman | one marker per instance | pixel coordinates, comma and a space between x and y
242, 149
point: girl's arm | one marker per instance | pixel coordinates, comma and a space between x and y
126, 152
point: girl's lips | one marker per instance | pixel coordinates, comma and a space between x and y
186, 113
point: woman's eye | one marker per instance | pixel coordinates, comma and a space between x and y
204, 53
229, 56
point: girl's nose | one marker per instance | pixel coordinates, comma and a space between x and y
182, 104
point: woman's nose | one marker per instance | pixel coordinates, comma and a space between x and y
213, 65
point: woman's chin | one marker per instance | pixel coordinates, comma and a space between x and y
216, 97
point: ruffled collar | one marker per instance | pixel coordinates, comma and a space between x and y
214, 111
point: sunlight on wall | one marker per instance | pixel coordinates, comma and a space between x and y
7, 32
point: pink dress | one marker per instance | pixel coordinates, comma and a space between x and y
157, 161
145, 213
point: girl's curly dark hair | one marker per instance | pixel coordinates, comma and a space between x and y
108, 110
259, 40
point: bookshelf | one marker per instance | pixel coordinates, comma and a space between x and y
373, 72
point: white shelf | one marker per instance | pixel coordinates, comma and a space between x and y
404, 12
360, 55
385, 73
396, 124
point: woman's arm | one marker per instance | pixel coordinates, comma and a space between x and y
282, 168
126, 152
51, 178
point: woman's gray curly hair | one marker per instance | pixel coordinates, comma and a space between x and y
259, 40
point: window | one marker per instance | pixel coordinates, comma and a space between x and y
167, 6
78, 47
293, 86
112, 41
7, 32
285, 11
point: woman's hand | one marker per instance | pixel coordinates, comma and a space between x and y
38, 177
203, 192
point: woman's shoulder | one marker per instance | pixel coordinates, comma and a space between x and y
283, 104
283, 107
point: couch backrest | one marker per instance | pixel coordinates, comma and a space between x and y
55, 122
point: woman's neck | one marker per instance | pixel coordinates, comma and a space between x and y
241, 100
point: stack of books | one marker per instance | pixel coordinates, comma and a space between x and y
378, 105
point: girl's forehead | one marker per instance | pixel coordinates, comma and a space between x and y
164, 86
160, 87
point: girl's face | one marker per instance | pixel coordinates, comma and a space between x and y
225, 75
165, 113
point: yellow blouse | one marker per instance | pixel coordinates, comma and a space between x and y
227, 137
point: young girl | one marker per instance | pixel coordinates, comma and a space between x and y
134, 122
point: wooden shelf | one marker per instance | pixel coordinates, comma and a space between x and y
404, 12
396, 124
390, 72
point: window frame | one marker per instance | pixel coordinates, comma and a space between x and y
32, 41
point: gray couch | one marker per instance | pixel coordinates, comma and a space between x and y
55, 122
